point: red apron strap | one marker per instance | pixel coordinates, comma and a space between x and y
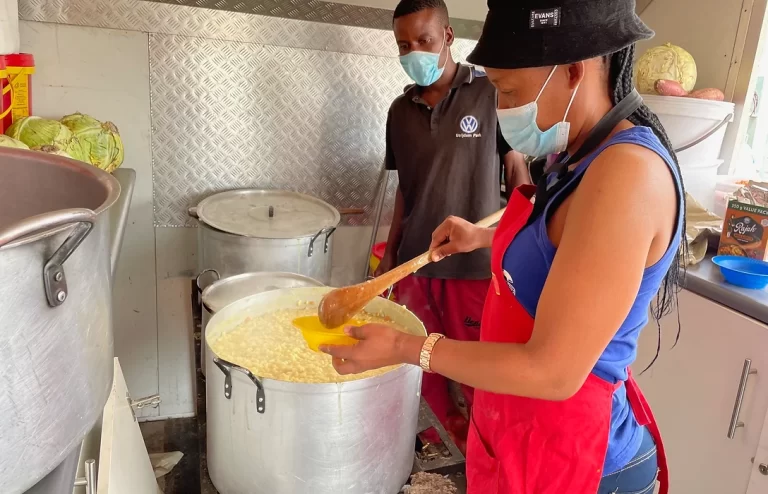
644, 416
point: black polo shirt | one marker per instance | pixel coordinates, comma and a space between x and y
448, 160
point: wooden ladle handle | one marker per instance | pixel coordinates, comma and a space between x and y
491, 220
393, 276
339, 305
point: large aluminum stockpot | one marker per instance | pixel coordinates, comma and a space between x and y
267, 436
223, 292
245, 231
55, 310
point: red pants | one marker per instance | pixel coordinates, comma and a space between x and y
450, 307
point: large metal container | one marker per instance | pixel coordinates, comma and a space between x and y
267, 436
55, 310
245, 231
223, 292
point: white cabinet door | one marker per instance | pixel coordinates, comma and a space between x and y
88, 450
758, 482
692, 390
124, 466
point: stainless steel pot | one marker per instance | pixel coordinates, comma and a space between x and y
223, 292
56, 305
267, 436
246, 231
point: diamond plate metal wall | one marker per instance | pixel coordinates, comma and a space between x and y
161, 18
243, 100
321, 11
231, 115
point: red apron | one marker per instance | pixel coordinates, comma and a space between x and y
528, 446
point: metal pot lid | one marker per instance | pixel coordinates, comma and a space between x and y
273, 214
229, 290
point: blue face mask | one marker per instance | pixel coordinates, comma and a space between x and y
423, 67
520, 130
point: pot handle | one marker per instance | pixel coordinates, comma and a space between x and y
197, 279
54, 278
328, 232
226, 368
193, 212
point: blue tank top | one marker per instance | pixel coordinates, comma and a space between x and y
526, 266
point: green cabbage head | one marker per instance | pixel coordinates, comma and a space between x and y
52, 149
101, 141
36, 132
668, 62
10, 142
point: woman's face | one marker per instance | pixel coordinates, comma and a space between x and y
518, 87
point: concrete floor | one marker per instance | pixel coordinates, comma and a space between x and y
190, 476
187, 435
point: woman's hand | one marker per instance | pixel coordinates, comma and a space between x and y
379, 346
457, 236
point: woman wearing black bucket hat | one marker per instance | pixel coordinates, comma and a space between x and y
556, 409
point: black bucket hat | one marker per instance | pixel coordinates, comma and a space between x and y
540, 33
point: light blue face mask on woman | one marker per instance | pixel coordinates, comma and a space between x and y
423, 67
522, 133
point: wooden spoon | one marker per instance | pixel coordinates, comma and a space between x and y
338, 306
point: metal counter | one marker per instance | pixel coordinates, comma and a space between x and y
705, 279
118, 214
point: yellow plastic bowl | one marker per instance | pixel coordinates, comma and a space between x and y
316, 339
316, 335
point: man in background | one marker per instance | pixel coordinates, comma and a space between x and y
443, 139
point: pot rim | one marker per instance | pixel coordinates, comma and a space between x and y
229, 280
212, 230
319, 388
109, 182
198, 213
234, 313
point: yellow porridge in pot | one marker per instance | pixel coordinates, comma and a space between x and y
271, 347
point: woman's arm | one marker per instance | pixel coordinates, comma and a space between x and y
626, 200
456, 235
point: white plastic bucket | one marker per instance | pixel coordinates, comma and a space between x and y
687, 120
726, 186
700, 181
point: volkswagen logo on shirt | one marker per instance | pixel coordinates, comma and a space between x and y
469, 127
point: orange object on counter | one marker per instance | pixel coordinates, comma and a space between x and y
5, 98
20, 67
745, 231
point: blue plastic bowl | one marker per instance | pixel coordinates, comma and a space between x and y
743, 271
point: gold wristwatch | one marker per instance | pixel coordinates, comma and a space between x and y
425, 357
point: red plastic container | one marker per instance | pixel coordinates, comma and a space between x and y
377, 254
20, 67
6, 99
379, 250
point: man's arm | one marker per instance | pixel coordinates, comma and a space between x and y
389, 260
396, 229
515, 171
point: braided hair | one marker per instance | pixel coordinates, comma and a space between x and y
620, 75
